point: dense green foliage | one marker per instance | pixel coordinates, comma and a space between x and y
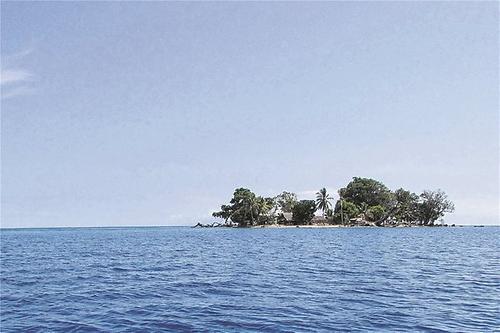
433, 206
407, 206
245, 208
303, 211
375, 213
286, 201
365, 191
371, 201
344, 211
363, 201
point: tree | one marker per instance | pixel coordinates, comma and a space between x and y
286, 201
375, 213
243, 209
264, 204
303, 211
347, 209
366, 192
323, 201
225, 213
406, 209
433, 205
265, 207
362, 198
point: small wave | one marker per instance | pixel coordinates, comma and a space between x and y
270, 281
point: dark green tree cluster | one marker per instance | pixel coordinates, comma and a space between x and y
303, 211
285, 201
363, 200
245, 208
370, 200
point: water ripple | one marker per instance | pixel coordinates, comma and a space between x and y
258, 280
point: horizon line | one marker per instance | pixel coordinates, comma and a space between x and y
184, 225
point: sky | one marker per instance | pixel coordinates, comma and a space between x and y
129, 113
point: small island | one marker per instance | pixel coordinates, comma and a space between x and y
363, 202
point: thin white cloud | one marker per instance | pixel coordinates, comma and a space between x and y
15, 80
12, 76
15, 92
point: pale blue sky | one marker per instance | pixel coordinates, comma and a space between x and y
128, 113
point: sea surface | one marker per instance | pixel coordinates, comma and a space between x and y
179, 279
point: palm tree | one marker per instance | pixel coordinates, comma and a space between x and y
323, 200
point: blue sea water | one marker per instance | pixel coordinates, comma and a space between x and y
261, 280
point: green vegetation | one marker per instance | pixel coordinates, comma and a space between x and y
323, 202
303, 211
344, 211
245, 208
363, 201
286, 201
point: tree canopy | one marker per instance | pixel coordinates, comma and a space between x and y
372, 201
367, 191
286, 201
363, 200
245, 208
303, 211
433, 206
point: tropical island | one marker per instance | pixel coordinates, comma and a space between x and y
363, 202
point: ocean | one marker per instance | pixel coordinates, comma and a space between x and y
179, 279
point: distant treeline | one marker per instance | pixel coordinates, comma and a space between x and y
363, 201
